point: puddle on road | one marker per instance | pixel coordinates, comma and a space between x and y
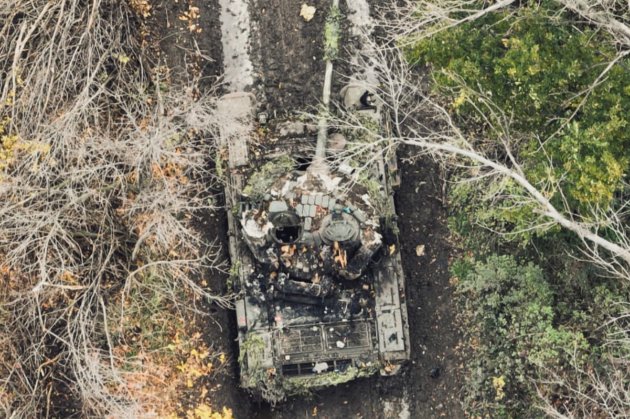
235, 29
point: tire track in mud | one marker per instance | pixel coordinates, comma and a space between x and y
235, 33
362, 26
288, 55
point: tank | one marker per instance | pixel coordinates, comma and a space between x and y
314, 250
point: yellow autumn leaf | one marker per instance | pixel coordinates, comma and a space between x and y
123, 59
203, 411
499, 383
461, 99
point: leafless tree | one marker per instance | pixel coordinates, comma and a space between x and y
611, 15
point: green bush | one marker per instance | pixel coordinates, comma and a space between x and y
535, 65
510, 321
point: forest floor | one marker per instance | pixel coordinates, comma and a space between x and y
286, 53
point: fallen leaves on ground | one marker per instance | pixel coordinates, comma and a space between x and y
141, 7
307, 12
420, 250
192, 17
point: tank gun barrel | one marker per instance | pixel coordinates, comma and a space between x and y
322, 124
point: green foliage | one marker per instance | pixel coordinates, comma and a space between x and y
147, 321
304, 384
536, 65
218, 164
512, 331
479, 210
374, 190
594, 171
233, 277
259, 182
529, 323
253, 345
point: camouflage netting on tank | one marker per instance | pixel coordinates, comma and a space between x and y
261, 181
276, 388
303, 384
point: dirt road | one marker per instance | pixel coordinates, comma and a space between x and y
286, 74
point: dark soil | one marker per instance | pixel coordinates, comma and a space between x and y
220, 328
187, 54
432, 310
288, 55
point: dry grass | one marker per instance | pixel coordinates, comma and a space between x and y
103, 167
